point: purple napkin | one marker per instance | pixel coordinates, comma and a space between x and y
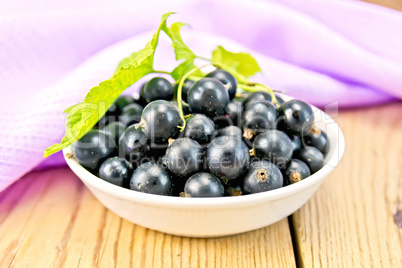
347, 52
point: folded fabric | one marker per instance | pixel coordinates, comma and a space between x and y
320, 51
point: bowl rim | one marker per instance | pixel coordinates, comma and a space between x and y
332, 159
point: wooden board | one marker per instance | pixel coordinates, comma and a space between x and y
350, 221
50, 219
394, 4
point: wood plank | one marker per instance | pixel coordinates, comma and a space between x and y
350, 221
394, 4
50, 219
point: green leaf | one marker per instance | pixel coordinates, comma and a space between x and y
182, 69
181, 50
146, 55
241, 63
83, 116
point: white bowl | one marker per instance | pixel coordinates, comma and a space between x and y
211, 217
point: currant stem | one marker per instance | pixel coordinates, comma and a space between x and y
244, 82
203, 58
160, 72
179, 93
239, 76
260, 87
271, 91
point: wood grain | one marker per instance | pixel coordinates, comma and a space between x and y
50, 219
350, 221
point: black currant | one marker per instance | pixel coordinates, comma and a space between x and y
296, 171
123, 100
312, 157
186, 110
296, 117
151, 178
141, 101
158, 88
177, 184
225, 78
296, 143
186, 86
258, 117
262, 176
230, 131
133, 144
208, 96
163, 161
115, 130
234, 187
110, 116
273, 145
257, 96
203, 185
131, 114
318, 139
234, 111
93, 148
157, 149
227, 157
200, 128
184, 156
222, 121
160, 120
116, 170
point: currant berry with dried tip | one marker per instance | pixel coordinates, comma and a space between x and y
318, 139
258, 117
296, 171
262, 176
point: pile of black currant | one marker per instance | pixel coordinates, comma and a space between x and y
218, 144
